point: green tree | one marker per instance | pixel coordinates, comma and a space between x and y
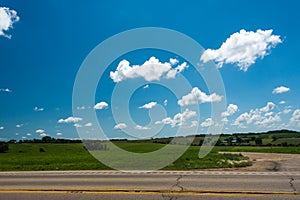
258, 141
47, 139
274, 138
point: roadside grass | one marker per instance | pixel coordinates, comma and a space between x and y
190, 160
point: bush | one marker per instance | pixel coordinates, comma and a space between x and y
3, 147
258, 141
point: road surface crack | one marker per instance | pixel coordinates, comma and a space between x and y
176, 187
291, 182
177, 184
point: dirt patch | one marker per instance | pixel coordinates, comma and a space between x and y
270, 161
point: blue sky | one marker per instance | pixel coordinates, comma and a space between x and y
43, 50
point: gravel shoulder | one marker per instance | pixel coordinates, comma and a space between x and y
275, 162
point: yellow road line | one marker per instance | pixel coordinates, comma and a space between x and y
144, 191
130, 193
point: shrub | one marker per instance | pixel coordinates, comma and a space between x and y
3, 147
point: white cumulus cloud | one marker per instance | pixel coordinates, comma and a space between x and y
37, 109
179, 119
194, 123
208, 122
19, 125
40, 131
70, 120
120, 126
269, 120
268, 107
231, 109
282, 102
77, 125
280, 89
286, 110
139, 127
295, 119
149, 105
43, 134
89, 124
196, 96
101, 105
1, 128
80, 107
243, 48
5, 90
259, 116
173, 61
173, 72
7, 18
59, 134
151, 70
165, 102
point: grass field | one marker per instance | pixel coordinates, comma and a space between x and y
74, 157
56, 157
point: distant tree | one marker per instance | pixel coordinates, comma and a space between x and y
47, 139
219, 142
239, 140
200, 142
247, 140
274, 138
258, 141
284, 144
36, 141
229, 140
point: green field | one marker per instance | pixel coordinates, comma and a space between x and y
56, 157
27, 156
74, 157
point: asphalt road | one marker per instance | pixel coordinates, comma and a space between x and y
163, 185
